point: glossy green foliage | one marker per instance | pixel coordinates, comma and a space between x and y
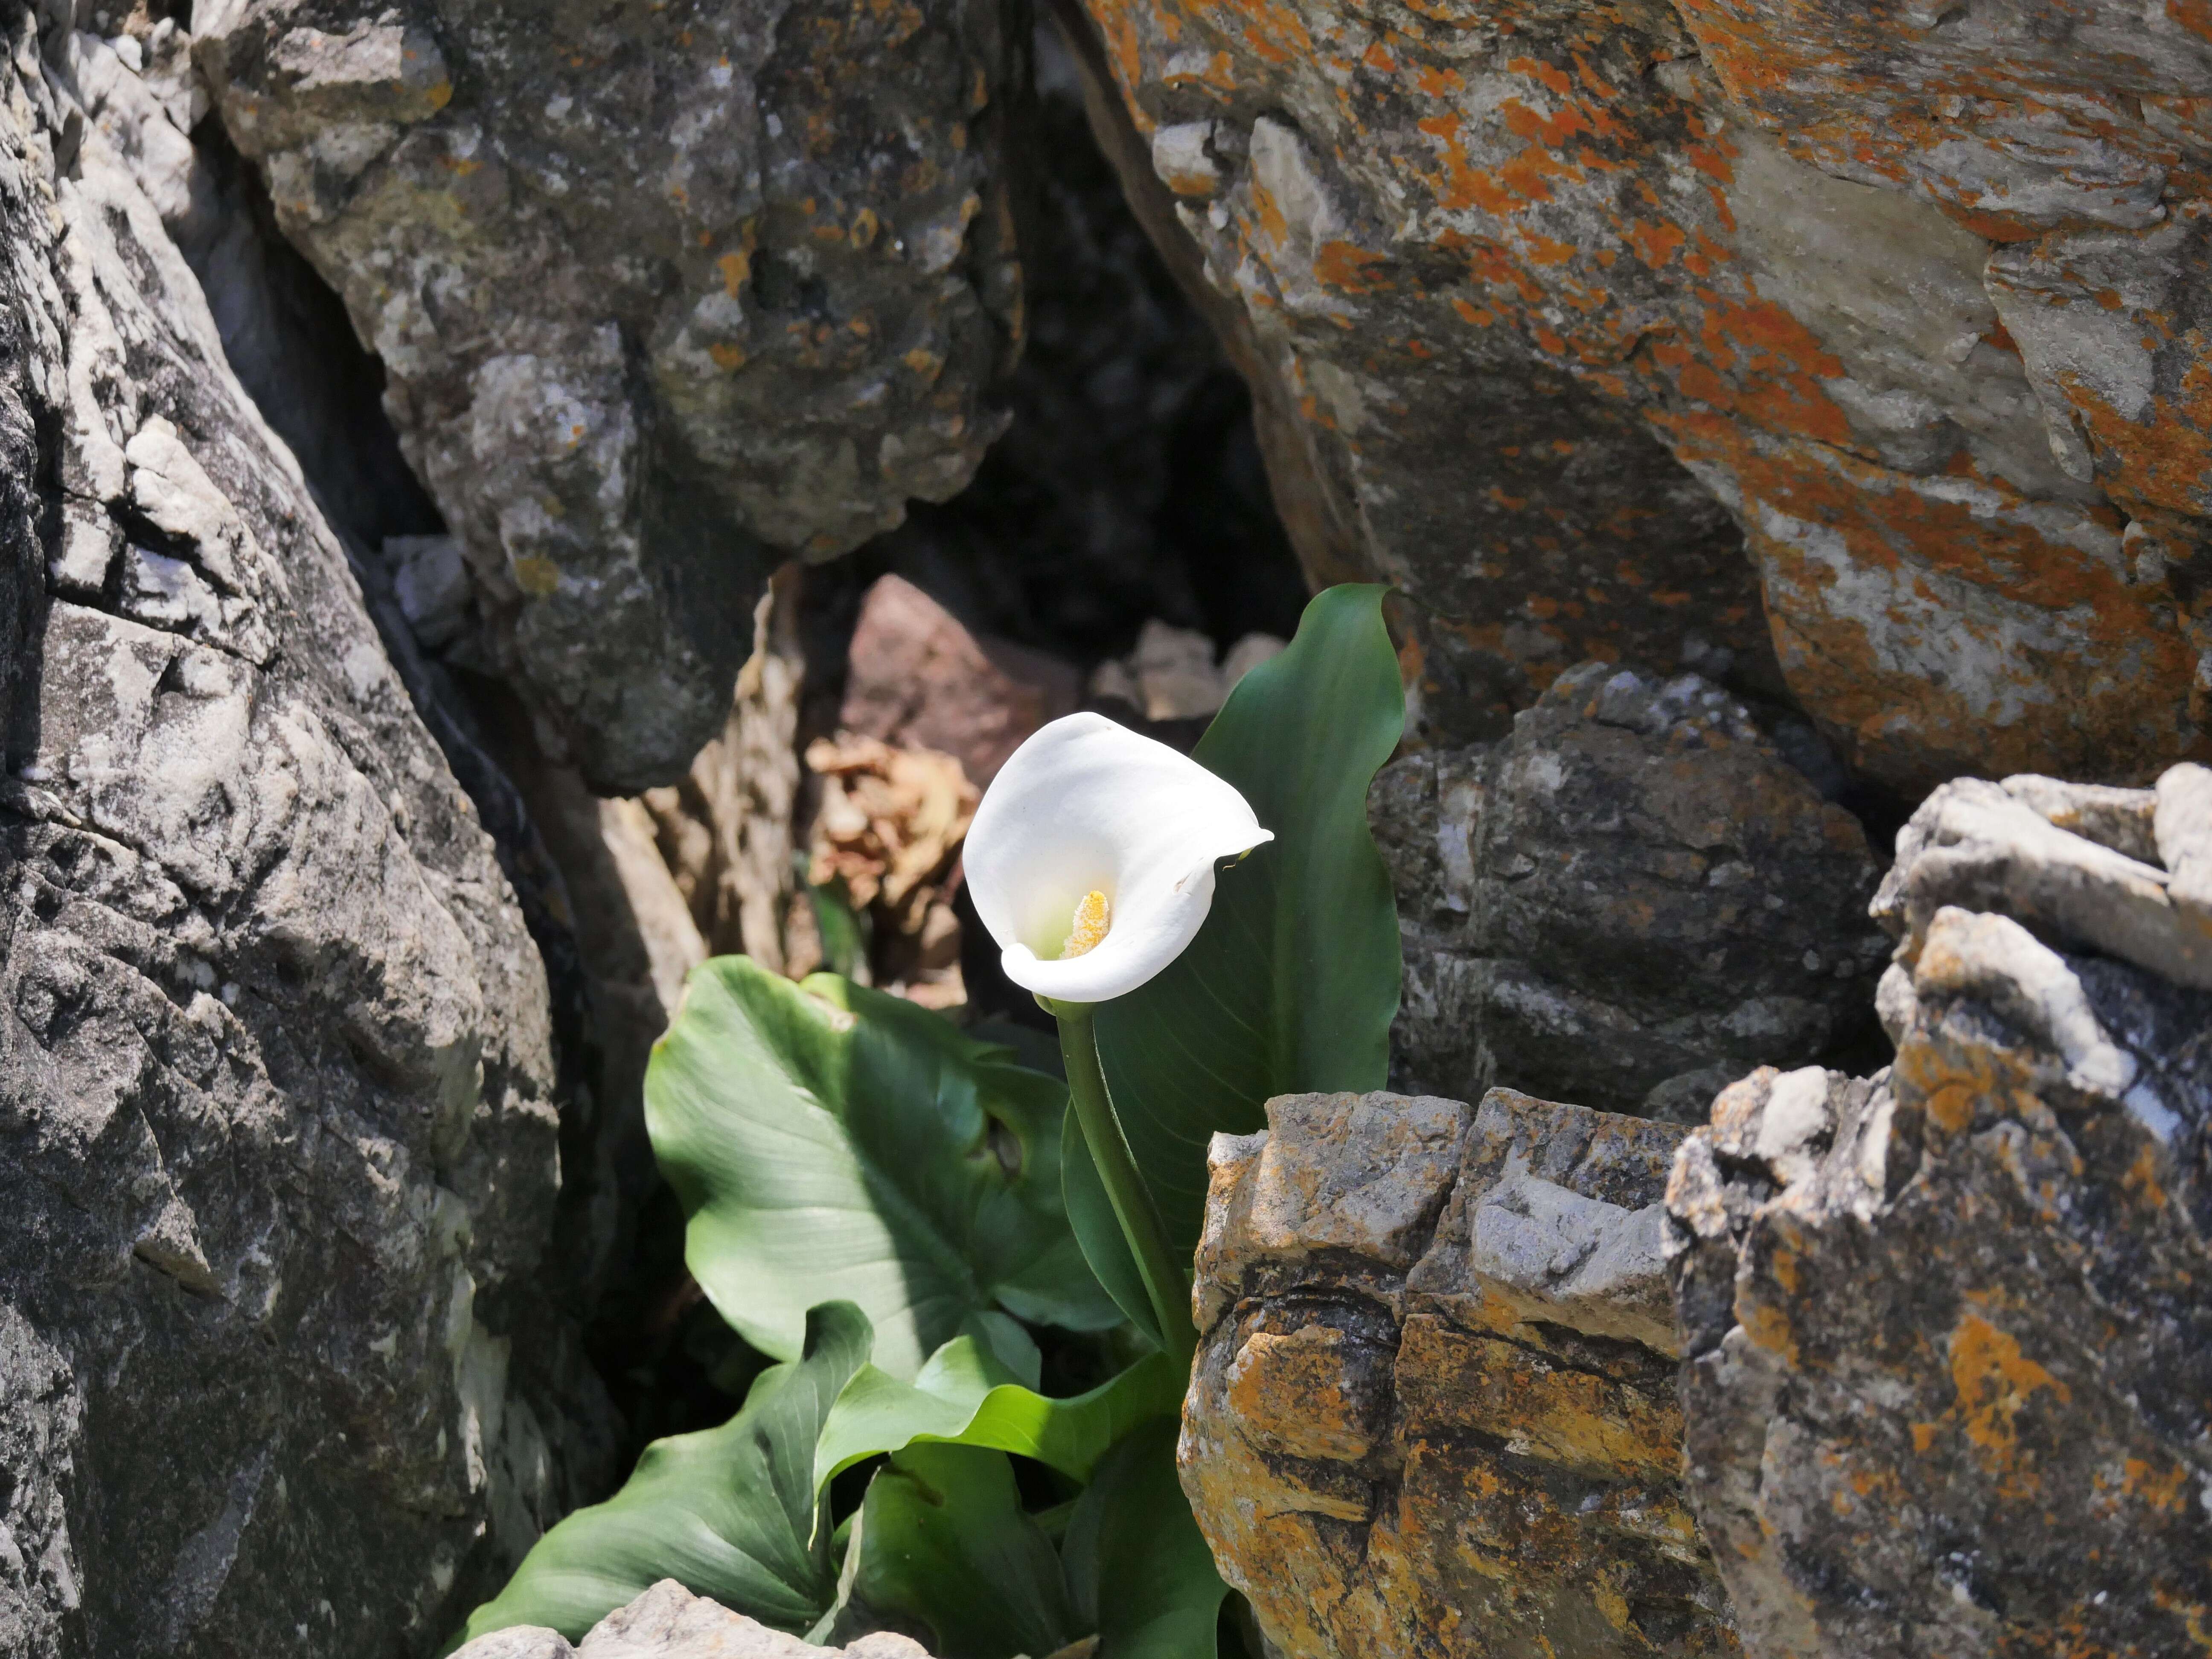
965, 1395
1292, 983
944, 1539
829, 1142
832, 1145
729, 1513
1137, 1567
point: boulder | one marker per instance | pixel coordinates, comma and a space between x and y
919, 679
1433, 1410
665, 295
1555, 314
280, 1364
1947, 1377
1628, 902
668, 1622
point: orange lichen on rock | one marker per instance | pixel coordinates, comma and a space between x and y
1642, 209
1992, 1258
1942, 624
1412, 1427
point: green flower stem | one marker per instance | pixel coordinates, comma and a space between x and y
1166, 1283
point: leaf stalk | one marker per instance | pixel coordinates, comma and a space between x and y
1167, 1283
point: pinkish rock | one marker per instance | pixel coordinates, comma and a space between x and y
919, 679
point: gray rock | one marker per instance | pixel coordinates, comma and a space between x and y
1947, 1380
431, 581
1556, 1217
665, 295
1987, 847
668, 1622
1626, 901
1433, 1407
521, 1642
279, 1366
2182, 824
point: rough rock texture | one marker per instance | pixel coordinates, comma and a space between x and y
1949, 1380
278, 1365
918, 679
1628, 902
1433, 1410
633, 941
665, 293
669, 1622
1528, 294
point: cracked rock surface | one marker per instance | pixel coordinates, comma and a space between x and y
1433, 1410
277, 1127
1948, 1354
1629, 901
666, 294
1536, 299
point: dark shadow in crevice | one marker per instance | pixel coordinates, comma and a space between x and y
292, 346
1128, 486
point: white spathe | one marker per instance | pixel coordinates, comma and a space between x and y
1087, 807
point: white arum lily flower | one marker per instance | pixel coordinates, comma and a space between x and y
1091, 859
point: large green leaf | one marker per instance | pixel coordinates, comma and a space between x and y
1137, 1570
942, 1538
1293, 981
729, 1513
829, 1142
965, 1396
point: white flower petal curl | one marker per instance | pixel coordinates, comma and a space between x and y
1087, 806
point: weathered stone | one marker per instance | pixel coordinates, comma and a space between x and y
1172, 675
669, 1622
919, 679
2122, 819
1627, 901
1363, 1177
1916, 300
665, 294
635, 940
1986, 846
728, 832
2182, 832
1433, 1410
279, 1367
1947, 1383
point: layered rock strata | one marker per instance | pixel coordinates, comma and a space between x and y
1434, 1405
1528, 294
1629, 901
277, 1364
665, 294
1948, 1384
